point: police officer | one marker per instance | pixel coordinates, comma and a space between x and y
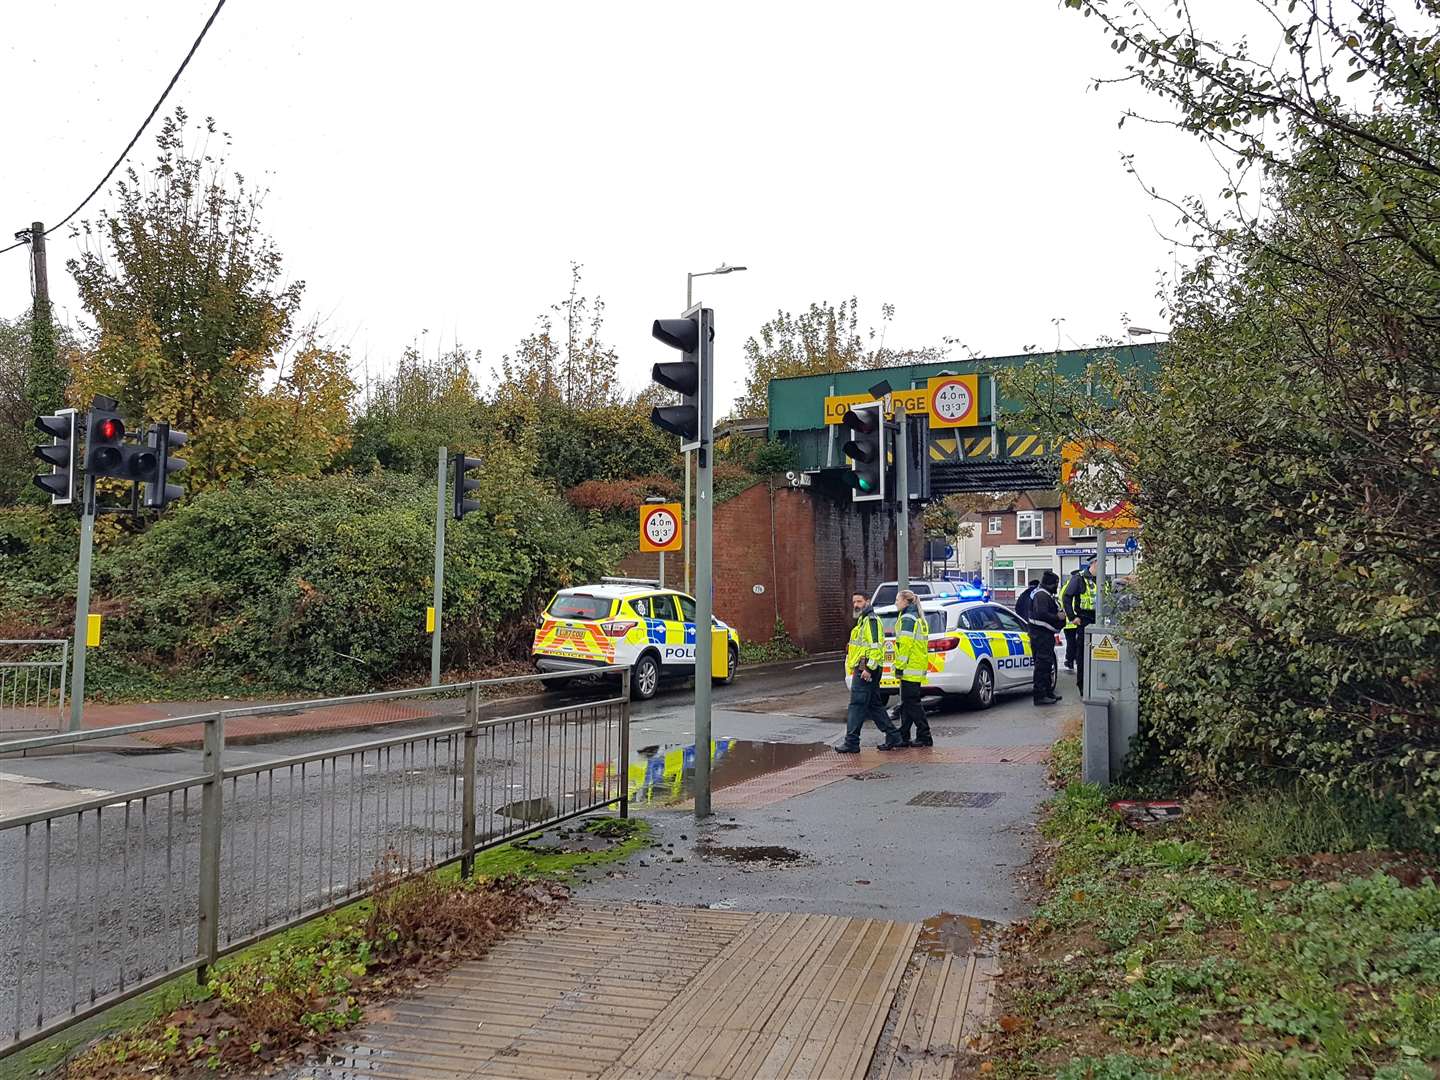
1079, 603
1022, 602
1045, 622
912, 662
865, 661
1072, 627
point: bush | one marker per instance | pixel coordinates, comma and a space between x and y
321, 585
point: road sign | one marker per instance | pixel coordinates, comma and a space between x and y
1131, 544
954, 401
660, 527
1091, 472
916, 402
949, 552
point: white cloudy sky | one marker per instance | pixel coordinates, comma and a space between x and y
435, 166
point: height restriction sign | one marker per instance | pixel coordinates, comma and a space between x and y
660, 527
954, 401
1094, 490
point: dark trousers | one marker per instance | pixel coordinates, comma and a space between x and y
1080, 654
1072, 645
865, 704
912, 715
1042, 649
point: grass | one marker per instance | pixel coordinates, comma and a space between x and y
1271, 936
304, 945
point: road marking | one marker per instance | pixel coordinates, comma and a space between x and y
55, 785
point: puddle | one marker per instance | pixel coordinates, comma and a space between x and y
747, 853
529, 810
952, 935
666, 774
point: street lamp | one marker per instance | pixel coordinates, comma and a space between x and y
689, 303
690, 279
1142, 331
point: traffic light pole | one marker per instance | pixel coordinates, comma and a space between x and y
82, 605
443, 459
902, 493
704, 601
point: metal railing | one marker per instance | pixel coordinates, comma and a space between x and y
32, 683
105, 899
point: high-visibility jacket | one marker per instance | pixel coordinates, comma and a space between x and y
867, 643
912, 647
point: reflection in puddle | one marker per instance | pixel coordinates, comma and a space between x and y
666, 774
951, 935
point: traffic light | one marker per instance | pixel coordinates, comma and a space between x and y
459, 466
59, 482
104, 442
864, 432
689, 377
154, 464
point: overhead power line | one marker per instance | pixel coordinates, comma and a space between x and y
136, 137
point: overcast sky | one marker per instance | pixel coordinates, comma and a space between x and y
434, 167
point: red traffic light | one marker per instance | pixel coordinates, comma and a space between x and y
110, 429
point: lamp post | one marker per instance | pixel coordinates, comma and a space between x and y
689, 303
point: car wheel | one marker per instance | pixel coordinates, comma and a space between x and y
732, 661
645, 678
982, 695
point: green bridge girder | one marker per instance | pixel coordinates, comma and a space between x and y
982, 458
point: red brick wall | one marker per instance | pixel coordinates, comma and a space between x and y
809, 552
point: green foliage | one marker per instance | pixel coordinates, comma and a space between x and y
421, 405
1287, 456
779, 647
26, 391
321, 585
1147, 942
194, 319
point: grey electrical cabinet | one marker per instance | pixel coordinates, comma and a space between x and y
1112, 703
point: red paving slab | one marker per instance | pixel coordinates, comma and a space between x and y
242, 729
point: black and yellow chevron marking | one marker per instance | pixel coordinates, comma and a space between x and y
1020, 446
952, 447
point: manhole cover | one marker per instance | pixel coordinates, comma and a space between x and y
970, 800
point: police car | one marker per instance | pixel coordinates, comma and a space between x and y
977, 650
626, 621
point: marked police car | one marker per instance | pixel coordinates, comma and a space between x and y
977, 650
626, 621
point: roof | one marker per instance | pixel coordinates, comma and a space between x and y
612, 592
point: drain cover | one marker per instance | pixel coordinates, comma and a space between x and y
870, 776
972, 800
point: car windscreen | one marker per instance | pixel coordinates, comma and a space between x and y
579, 606
885, 594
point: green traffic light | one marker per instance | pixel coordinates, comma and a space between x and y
864, 483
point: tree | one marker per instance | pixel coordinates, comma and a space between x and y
18, 402
1287, 456
823, 339
422, 405
193, 317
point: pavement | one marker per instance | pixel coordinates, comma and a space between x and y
862, 835
918, 838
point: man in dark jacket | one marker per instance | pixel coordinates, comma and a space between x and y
1046, 620
1022, 602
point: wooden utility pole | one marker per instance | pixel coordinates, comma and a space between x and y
37, 261
46, 383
